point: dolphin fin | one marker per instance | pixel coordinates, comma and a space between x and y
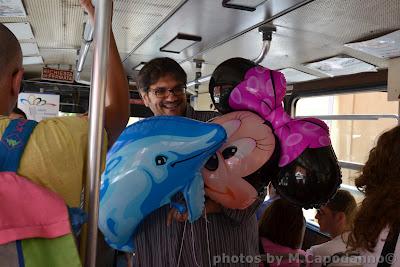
194, 196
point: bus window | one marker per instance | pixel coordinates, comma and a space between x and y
355, 121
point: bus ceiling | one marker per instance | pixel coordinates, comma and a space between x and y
307, 31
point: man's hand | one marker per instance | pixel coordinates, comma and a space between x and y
174, 214
209, 207
89, 8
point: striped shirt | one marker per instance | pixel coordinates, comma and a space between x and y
228, 236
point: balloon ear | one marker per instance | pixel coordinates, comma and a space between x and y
220, 96
311, 179
225, 77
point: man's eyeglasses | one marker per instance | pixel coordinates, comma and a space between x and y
164, 92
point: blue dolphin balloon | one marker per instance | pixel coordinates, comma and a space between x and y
151, 161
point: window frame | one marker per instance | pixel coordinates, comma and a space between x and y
292, 99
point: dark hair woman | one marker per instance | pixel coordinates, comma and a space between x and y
377, 222
281, 231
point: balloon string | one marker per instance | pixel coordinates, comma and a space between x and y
208, 240
180, 250
194, 254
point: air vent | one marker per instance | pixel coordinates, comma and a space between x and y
180, 43
247, 5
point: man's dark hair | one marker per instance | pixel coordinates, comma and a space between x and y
10, 47
19, 112
158, 68
343, 201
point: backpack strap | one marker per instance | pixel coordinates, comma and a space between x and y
389, 247
13, 143
28, 210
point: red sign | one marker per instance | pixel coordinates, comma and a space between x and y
58, 75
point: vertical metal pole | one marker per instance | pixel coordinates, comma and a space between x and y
96, 121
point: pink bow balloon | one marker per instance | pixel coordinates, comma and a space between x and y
262, 91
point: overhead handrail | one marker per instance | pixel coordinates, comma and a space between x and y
87, 40
266, 31
351, 165
355, 117
96, 122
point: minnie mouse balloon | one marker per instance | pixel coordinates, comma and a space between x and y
261, 91
245, 163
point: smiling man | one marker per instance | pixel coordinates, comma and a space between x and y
162, 85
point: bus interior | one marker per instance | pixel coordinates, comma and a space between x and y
340, 58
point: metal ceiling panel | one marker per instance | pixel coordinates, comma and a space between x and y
133, 20
57, 28
209, 20
314, 31
55, 24
59, 56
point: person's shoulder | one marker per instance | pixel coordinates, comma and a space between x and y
328, 248
60, 127
66, 122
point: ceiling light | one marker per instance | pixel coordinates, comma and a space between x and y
32, 60
22, 31
248, 5
341, 65
29, 49
180, 43
192, 83
12, 8
199, 81
386, 46
204, 79
139, 66
296, 76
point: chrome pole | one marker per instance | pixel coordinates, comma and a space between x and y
96, 121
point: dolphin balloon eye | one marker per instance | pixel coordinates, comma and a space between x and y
161, 160
212, 163
229, 152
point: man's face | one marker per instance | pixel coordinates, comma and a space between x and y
327, 219
170, 104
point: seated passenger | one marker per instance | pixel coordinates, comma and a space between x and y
281, 231
375, 232
335, 219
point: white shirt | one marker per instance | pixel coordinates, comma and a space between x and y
368, 259
323, 251
371, 257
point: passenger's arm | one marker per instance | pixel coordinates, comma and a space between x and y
117, 92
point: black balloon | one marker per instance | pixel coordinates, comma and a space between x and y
224, 78
311, 180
